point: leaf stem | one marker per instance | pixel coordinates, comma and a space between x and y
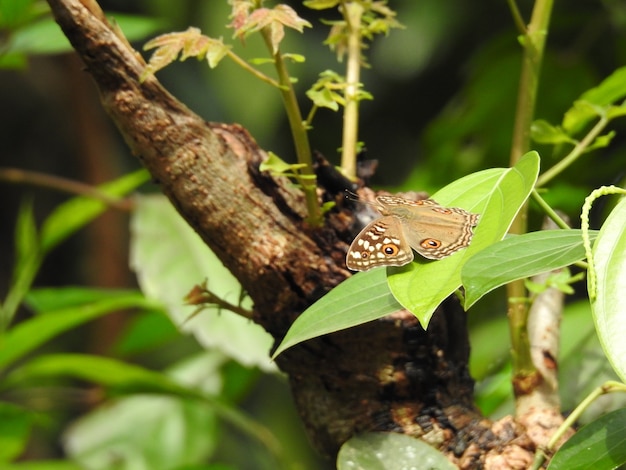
254, 71
352, 12
33, 178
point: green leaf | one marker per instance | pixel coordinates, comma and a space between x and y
27, 262
607, 306
320, 4
389, 451
45, 36
324, 98
43, 465
361, 298
599, 445
50, 299
534, 253
111, 373
15, 426
601, 141
545, 133
107, 438
595, 101
497, 195
170, 258
77, 212
30, 334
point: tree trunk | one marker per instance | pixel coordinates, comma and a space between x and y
387, 375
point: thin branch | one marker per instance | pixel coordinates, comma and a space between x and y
76, 188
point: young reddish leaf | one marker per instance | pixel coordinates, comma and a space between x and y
189, 43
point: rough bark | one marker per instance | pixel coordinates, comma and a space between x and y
387, 375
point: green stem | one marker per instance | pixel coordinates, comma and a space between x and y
298, 133
534, 43
352, 12
548, 210
517, 17
247, 67
576, 152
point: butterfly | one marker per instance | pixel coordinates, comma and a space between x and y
430, 229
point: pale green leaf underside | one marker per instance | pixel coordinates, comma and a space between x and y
390, 451
496, 195
518, 257
170, 258
361, 298
609, 254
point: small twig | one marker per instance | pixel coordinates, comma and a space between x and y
33, 178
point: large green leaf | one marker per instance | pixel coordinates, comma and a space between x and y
169, 259
107, 437
497, 195
389, 451
518, 257
599, 445
607, 306
361, 298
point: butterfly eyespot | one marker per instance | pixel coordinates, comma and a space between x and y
430, 243
365, 255
390, 250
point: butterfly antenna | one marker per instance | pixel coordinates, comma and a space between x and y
351, 196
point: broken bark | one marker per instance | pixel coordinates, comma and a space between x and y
387, 375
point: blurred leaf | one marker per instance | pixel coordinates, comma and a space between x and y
43, 465
45, 37
320, 4
609, 255
32, 333
116, 375
14, 13
596, 101
144, 333
545, 133
532, 253
169, 259
582, 364
15, 426
497, 195
27, 262
57, 298
601, 141
598, 445
389, 451
361, 298
176, 432
70, 216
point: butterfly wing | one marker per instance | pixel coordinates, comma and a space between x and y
381, 243
432, 230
